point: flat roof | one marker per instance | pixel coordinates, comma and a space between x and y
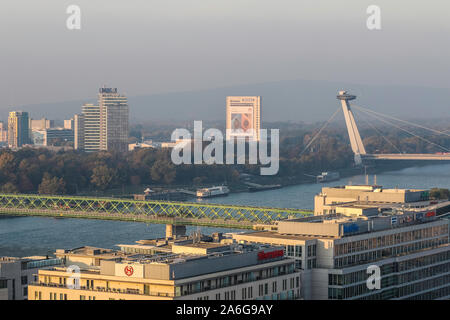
203, 245
274, 235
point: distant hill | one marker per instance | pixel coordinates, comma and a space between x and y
293, 100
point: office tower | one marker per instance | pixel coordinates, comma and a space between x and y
91, 127
18, 129
78, 132
244, 118
113, 120
103, 126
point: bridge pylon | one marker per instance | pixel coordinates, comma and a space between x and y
353, 132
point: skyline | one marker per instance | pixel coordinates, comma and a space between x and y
199, 46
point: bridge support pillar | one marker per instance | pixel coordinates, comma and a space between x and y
175, 231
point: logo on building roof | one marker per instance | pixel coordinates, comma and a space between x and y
128, 270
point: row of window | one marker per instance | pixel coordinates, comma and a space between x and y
222, 282
349, 292
388, 252
52, 296
263, 291
358, 276
389, 240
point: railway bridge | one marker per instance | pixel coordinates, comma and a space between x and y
160, 212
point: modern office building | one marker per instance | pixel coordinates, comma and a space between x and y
17, 273
409, 246
91, 127
49, 137
243, 116
103, 126
41, 124
368, 196
18, 129
181, 270
114, 118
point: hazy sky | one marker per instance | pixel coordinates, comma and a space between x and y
145, 47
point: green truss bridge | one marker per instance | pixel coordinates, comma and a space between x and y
162, 212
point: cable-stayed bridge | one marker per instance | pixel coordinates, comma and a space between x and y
358, 146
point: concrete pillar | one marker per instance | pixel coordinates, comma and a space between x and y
175, 231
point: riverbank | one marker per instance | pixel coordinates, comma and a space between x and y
242, 187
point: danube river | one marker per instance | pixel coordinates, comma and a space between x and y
22, 236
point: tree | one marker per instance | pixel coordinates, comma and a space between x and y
103, 177
9, 187
51, 185
163, 171
439, 193
7, 162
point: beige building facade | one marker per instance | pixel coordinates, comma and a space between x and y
198, 271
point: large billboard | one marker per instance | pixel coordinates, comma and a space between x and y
243, 117
241, 121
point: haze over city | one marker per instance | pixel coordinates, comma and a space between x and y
159, 47
224, 150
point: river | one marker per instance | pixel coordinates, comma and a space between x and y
23, 236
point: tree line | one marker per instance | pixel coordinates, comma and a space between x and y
70, 172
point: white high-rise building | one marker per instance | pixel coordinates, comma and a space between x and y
103, 126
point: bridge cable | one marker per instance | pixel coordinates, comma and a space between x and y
400, 128
318, 133
381, 134
404, 121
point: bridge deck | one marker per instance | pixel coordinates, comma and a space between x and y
404, 156
164, 212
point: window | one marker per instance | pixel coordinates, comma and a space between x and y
24, 280
298, 251
274, 286
290, 251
